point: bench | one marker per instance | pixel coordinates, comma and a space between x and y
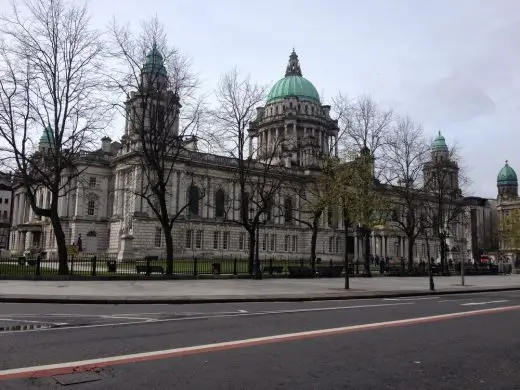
273, 269
149, 269
300, 272
333, 271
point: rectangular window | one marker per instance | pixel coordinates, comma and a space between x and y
264, 242
331, 244
216, 239
225, 240
198, 239
158, 237
294, 243
91, 207
287, 238
241, 239
92, 181
189, 238
273, 242
6, 200
338, 244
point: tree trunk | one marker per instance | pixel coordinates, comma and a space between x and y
346, 224
367, 253
430, 275
411, 241
443, 253
314, 239
252, 243
63, 267
169, 248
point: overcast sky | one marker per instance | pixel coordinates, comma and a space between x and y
452, 65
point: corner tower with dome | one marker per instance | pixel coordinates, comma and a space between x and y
293, 127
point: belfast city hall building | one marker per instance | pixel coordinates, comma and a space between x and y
111, 219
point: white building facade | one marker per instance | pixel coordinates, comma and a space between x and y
294, 128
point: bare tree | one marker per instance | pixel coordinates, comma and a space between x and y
314, 198
156, 79
258, 173
405, 153
49, 78
363, 125
444, 207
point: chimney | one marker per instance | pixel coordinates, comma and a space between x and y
105, 144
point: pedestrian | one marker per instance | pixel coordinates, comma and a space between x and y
500, 267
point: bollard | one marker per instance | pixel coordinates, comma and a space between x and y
94, 261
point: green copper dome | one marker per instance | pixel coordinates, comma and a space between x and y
293, 84
154, 62
439, 144
507, 176
47, 136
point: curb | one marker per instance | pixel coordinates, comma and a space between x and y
196, 300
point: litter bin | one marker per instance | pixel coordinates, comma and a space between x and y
216, 268
111, 266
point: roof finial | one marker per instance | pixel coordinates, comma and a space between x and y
507, 162
293, 68
439, 132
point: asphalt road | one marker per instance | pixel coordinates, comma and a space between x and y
447, 342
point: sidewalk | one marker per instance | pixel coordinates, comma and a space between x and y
241, 290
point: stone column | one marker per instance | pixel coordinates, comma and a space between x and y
121, 189
138, 188
15, 210
356, 254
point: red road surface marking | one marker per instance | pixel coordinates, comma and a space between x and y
88, 365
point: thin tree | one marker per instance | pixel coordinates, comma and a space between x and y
258, 174
363, 125
444, 207
314, 198
405, 153
364, 201
50, 79
157, 82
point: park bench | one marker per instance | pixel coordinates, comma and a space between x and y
149, 269
278, 269
331, 271
300, 272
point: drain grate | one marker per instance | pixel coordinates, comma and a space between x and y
76, 379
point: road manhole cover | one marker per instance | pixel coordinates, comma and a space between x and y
76, 379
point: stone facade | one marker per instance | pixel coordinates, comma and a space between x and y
293, 128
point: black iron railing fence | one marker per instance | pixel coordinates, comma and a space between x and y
107, 265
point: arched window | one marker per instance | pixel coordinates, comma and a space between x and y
220, 204
193, 198
288, 210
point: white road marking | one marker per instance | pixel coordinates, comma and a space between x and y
85, 365
483, 303
127, 318
234, 314
409, 299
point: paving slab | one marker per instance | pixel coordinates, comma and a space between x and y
237, 290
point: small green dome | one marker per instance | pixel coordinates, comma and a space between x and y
439, 144
293, 84
47, 136
154, 62
507, 176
